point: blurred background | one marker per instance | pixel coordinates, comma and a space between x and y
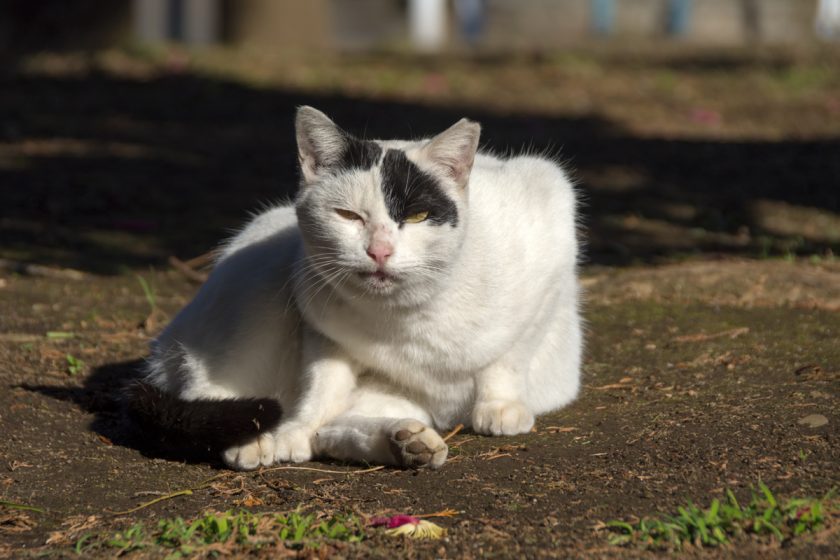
133, 131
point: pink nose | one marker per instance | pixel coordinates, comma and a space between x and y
379, 253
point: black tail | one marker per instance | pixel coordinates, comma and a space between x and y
199, 429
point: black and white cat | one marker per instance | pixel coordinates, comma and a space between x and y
412, 286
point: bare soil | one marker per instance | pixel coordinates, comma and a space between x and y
712, 290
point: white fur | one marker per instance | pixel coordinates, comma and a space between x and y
481, 326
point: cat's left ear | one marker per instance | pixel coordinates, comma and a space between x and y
320, 142
453, 150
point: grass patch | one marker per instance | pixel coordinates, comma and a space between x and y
149, 292
725, 520
226, 532
74, 364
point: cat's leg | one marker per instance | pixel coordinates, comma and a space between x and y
507, 399
249, 456
246, 456
499, 408
328, 378
403, 442
382, 429
553, 374
177, 370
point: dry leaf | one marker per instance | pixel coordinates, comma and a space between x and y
250, 501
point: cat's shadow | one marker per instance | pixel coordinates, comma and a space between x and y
103, 394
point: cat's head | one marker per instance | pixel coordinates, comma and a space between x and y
382, 219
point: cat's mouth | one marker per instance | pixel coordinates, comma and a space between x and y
378, 278
377, 275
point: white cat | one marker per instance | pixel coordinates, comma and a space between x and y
412, 286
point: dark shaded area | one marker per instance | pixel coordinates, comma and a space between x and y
101, 396
124, 172
55, 24
135, 414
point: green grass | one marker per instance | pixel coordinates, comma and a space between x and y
59, 335
149, 292
724, 520
224, 532
74, 364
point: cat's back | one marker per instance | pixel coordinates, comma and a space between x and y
240, 324
249, 280
268, 224
525, 199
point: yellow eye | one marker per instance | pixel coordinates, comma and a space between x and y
348, 215
416, 218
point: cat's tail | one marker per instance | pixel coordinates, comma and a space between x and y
199, 429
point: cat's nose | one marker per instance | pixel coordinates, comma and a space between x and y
380, 252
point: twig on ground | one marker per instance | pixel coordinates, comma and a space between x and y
498, 456
732, 333
502, 451
559, 429
30, 269
448, 512
454, 431
186, 270
202, 260
614, 386
187, 492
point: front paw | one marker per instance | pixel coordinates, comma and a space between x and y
293, 443
259, 451
502, 418
414, 445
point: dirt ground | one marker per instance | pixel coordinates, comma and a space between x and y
711, 212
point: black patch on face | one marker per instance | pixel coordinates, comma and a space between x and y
359, 154
409, 190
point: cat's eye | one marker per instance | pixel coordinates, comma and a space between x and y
348, 215
416, 218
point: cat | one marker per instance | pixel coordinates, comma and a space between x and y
412, 286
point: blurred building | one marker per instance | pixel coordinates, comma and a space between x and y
367, 24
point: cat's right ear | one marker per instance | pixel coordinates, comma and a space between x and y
453, 150
320, 142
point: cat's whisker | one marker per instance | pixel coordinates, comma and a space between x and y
298, 275
335, 289
325, 283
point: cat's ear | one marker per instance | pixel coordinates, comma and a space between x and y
320, 142
453, 150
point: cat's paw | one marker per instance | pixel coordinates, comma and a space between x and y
502, 418
292, 443
259, 451
416, 445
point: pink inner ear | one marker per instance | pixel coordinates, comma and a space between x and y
454, 149
459, 167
